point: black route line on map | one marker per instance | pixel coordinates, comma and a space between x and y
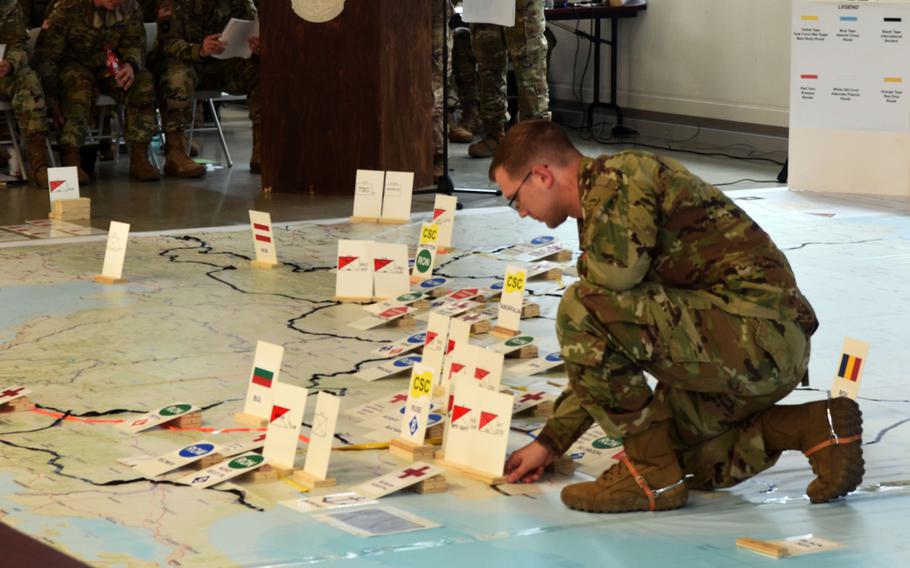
337, 436
881, 434
58, 470
883, 431
813, 243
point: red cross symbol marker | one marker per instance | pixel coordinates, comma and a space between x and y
410, 472
399, 398
11, 392
534, 396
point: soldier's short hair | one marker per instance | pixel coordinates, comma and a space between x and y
532, 142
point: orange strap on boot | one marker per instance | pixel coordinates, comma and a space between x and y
639, 480
832, 441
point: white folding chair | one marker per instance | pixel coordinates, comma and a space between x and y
7, 108
211, 97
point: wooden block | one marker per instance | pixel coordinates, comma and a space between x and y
404, 322
436, 430
564, 465
480, 327
108, 280
263, 264
208, 461
250, 420
503, 332
71, 209
445, 250
411, 452
552, 274
383, 221
310, 481
191, 420
439, 291
563, 255
473, 473
363, 220
421, 304
268, 473
21, 404
561, 383
435, 484
529, 351
762, 547
530, 310
544, 409
353, 299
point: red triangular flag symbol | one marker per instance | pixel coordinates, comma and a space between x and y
450, 346
486, 418
458, 412
56, 184
479, 373
456, 367
345, 260
431, 335
278, 412
380, 263
438, 212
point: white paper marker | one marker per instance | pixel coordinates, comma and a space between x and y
263, 378
223, 471
444, 216
63, 183
850, 367
263, 238
397, 480
12, 393
283, 432
176, 459
319, 450
396, 199
512, 298
425, 258
115, 253
417, 407
157, 417
354, 279
368, 194
390, 265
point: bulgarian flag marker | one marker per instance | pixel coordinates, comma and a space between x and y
262, 377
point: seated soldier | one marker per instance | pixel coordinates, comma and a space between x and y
92, 46
678, 281
188, 38
33, 12
20, 85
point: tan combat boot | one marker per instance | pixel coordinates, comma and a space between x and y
830, 433
177, 163
647, 479
37, 159
470, 119
141, 169
256, 155
458, 133
71, 158
486, 147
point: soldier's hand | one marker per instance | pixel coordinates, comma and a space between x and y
254, 44
212, 45
125, 76
527, 464
5, 68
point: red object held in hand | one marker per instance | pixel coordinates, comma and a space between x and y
113, 63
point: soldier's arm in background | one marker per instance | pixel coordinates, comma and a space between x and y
133, 48
244, 10
620, 230
12, 33
49, 50
568, 423
172, 32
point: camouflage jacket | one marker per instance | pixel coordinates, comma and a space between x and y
34, 11
12, 33
183, 24
647, 218
77, 31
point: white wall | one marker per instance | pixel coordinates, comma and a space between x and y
723, 59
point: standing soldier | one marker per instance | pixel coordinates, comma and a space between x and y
525, 45
20, 84
188, 37
92, 46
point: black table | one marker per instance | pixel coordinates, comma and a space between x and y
599, 13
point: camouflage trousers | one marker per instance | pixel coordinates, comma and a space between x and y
440, 22
525, 45
715, 371
24, 91
80, 87
464, 70
178, 81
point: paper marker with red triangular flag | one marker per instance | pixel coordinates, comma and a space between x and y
444, 216
354, 278
390, 270
458, 411
486, 418
278, 412
283, 432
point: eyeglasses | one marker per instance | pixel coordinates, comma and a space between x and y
515, 195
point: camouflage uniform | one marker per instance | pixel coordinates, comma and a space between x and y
182, 26
440, 21
71, 58
21, 86
34, 11
149, 9
526, 46
464, 70
677, 281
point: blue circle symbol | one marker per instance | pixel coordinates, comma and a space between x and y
417, 338
407, 361
196, 450
542, 240
554, 357
433, 282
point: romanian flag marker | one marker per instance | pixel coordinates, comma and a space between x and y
854, 356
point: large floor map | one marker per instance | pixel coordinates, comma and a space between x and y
184, 329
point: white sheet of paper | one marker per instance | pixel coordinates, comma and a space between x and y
375, 521
397, 480
263, 238
378, 407
444, 216
242, 446
328, 502
223, 471
354, 278
63, 183
850, 367
156, 418
368, 194
388, 369
319, 450
417, 408
9, 394
538, 268
499, 12
542, 252
400, 347
117, 238
456, 308
390, 265
513, 293
436, 342
175, 459
536, 365
283, 433
402, 300
396, 199
263, 378
382, 318
512, 344
236, 35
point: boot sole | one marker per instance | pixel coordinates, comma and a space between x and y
174, 173
846, 460
666, 502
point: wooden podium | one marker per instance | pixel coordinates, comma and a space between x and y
351, 93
